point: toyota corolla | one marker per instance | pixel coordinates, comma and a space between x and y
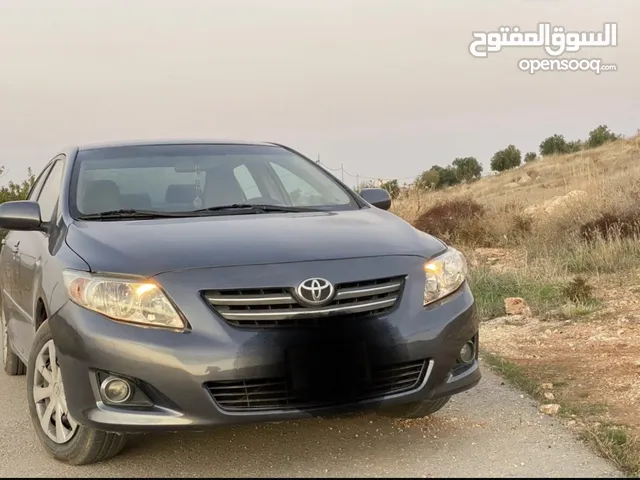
185, 285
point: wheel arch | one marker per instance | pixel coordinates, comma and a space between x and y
40, 312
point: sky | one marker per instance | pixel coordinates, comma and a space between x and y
385, 89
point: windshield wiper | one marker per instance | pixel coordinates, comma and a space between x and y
257, 207
131, 213
241, 207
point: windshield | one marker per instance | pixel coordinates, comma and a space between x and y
185, 178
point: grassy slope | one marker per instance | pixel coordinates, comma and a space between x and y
550, 253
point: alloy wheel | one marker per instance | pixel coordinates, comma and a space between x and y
49, 397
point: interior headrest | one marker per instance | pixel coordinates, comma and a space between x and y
101, 196
177, 193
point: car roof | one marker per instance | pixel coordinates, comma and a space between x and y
134, 143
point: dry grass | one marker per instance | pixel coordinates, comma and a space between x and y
609, 179
576, 262
606, 173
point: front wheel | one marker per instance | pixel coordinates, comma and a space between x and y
59, 433
420, 409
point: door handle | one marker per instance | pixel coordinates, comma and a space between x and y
16, 248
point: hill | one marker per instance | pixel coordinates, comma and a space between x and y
561, 234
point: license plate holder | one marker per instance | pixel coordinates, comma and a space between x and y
329, 372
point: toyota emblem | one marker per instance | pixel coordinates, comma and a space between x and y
315, 292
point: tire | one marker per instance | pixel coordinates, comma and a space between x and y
420, 409
10, 362
79, 445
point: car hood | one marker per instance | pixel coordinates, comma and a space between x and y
149, 247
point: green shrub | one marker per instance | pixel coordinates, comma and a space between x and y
578, 290
506, 159
15, 191
554, 145
601, 135
467, 169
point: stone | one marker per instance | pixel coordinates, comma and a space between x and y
516, 306
550, 409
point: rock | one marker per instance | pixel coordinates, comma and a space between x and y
557, 205
571, 423
550, 409
547, 386
511, 185
516, 306
549, 396
526, 178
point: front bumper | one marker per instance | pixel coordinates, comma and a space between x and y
173, 368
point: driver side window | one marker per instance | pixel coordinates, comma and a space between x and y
37, 186
300, 192
48, 196
246, 181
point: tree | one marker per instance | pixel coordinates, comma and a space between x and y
574, 146
392, 187
427, 180
506, 159
448, 176
601, 135
15, 191
530, 157
554, 145
365, 184
467, 169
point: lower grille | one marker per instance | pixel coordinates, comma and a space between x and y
276, 394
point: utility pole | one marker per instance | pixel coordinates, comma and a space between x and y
342, 171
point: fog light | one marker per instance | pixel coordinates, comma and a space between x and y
115, 390
468, 352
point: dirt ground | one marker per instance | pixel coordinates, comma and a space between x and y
592, 360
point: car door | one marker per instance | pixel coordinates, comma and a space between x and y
10, 254
34, 252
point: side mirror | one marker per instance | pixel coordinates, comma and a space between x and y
378, 197
20, 215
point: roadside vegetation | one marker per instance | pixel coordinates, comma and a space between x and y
560, 232
15, 191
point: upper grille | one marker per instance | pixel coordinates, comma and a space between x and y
276, 393
278, 307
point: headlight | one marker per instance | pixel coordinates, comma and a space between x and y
444, 274
127, 300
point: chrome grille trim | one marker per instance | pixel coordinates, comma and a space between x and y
278, 306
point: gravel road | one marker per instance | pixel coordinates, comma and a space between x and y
491, 431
